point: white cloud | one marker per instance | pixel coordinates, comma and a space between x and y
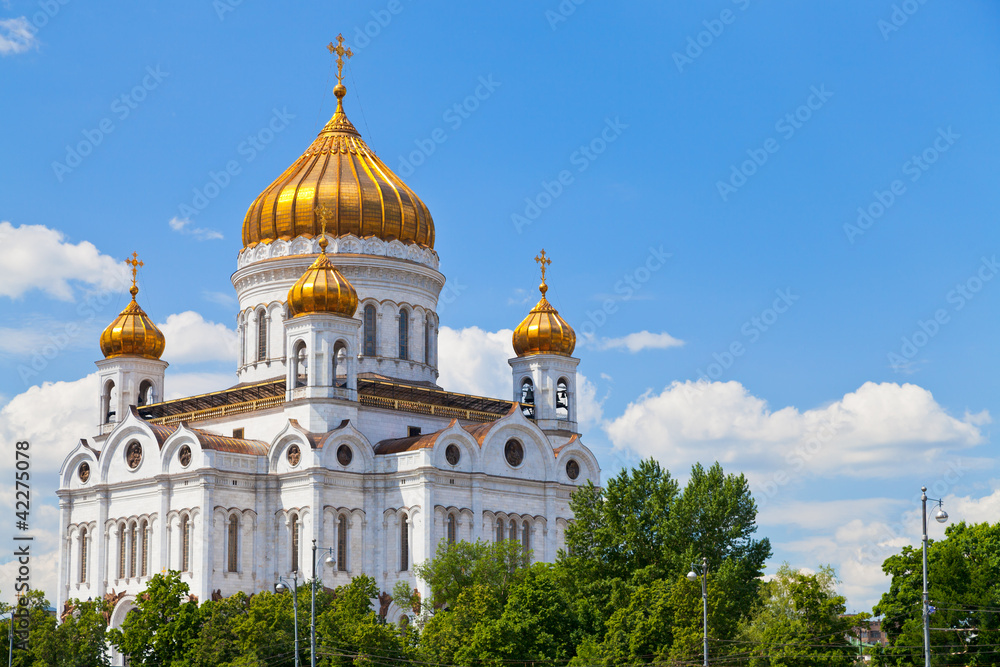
201, 233
16, 36
879, 430
473, 361
182, 385
191, 339
36, 257
220, 298
635, 342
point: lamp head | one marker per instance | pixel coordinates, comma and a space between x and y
941, 515
692, 576
280, 587
330, 560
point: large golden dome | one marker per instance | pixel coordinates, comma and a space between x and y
338, 171
132, 333
322, 289
543, 331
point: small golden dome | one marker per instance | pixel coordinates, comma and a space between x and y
544, 331
338, 171
132, 334
322, 289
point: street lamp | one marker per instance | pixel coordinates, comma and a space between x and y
941, 516
312, 624
693, 576
280, 587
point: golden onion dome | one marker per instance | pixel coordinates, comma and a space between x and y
132, 333
544, 331
340, 172
322, 289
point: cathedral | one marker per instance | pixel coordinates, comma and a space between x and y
336, 434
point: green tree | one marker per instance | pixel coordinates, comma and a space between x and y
161, 627
267, 629
79, 641
455, 567
218, 641
799, 622
964, 589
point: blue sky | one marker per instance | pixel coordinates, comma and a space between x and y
738, 137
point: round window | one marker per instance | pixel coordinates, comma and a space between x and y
572, 469
345, 455
84, 471
184, 456
294, 455
133, 454
453, 454
513, 451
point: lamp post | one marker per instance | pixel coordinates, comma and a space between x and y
280, 587
312, 623
693, 576
941, 517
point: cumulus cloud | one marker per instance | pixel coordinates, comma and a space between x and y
883, 429
635, 342
17, 35
182, 385
37, 257
183, 226
191, 339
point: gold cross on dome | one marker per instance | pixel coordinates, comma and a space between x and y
341, 52
135, 263
325, 215
543, 261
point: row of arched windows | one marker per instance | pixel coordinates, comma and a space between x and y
509, 530
370, 344
527, 398
133, 550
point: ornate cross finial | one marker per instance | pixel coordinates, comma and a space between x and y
341, 52
325, 215
135, 263
543, 261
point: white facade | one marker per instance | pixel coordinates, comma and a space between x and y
367, 457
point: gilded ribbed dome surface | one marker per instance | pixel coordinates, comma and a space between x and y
340, 172
133, 334
544, 331
322, 289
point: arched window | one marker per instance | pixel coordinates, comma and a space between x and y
185, 543
526, 538
370, 331
131, 550
261, 335
121, 550
144, 565
301, 364
234, 536
512, 532
145, 393
404, 333
342, 543
83, 555
404, 544
527, 398
562, 399
427, 339
108, 400
339, 365
295, 542
500, 530
243, 340
451, 528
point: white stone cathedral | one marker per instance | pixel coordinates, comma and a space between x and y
336, 432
